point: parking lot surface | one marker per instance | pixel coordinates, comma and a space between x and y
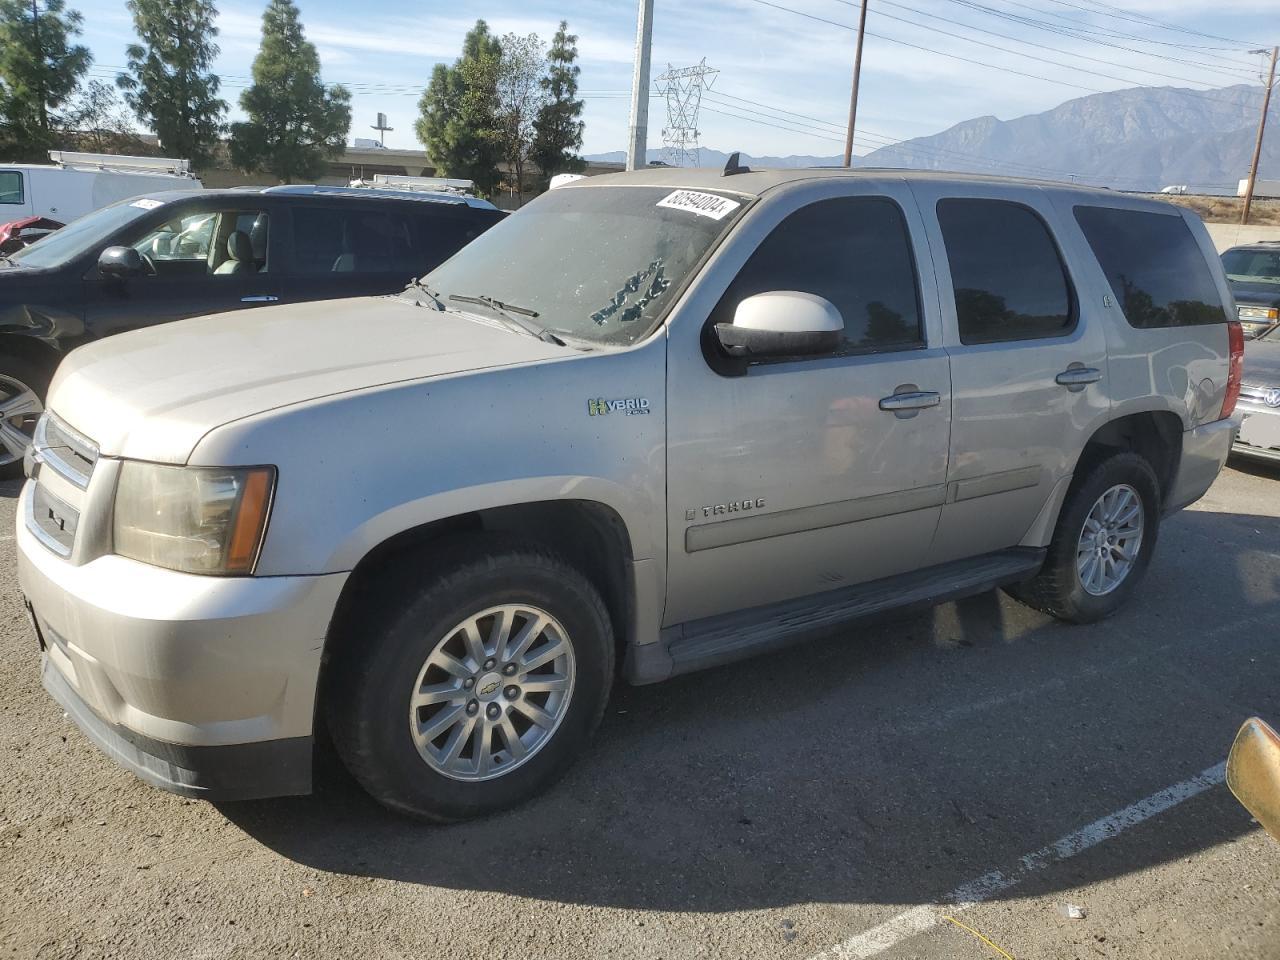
899, 790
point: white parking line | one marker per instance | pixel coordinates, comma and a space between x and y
919, 919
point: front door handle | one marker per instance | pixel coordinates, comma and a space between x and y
1078, 377
915, 400
263, 299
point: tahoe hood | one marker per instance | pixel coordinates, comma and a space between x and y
152, 394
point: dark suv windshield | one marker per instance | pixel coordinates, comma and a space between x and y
1253, 266
596, 263
79, 235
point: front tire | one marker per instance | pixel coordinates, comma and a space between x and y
1102, 544
476, 686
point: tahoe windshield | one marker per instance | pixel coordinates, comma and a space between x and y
592, 263
80, 235
1253, 266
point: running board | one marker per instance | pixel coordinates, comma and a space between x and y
724, 638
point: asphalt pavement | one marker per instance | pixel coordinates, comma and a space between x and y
944, 785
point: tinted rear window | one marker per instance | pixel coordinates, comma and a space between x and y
1010, 283
1154, 265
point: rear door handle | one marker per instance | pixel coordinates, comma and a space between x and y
916, 400
264, 299
1077, 378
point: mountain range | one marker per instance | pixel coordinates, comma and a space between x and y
1142, 138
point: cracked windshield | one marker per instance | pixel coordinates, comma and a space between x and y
596, 263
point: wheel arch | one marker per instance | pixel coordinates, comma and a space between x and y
590, 535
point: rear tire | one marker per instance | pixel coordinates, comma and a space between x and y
23, 385
513, 729
1101, 548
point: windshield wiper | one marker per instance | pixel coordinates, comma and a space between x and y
513, 314
420, 284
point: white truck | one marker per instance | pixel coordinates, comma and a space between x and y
74, 184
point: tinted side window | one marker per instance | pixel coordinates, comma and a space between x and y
1010, 283
855, 252
1154, 266
335, 240
10, 186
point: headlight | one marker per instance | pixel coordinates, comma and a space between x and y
1258, 313
193, 519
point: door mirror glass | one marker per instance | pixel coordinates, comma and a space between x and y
120, 263
782, 323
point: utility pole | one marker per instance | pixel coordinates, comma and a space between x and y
1257, 147
637, 157
853, 94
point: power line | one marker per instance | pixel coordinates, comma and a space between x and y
1032, 43
1052, 29
1075, 24
980, 63
1120, 13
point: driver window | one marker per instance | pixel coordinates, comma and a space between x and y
855, 252
218, 243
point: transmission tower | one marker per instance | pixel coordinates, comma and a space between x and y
683, 86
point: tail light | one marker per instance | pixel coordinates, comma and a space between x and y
1235, 340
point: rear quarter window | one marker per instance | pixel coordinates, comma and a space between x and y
1154, 265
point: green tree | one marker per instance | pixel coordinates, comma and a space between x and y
39, 69
296, 124
558, 129
168, 84
520, 98
458, 112
96, 120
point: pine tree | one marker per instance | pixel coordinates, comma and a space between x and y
296, 124
39, 70
458, 113
169, 85
558, 129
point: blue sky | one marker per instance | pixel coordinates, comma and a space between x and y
783, 84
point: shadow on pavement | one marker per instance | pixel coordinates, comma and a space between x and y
884, 765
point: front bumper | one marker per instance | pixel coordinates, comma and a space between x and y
202, 685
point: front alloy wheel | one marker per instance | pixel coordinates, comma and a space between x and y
469, 677
492, 692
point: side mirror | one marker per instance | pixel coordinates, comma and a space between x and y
120, 263
782, 323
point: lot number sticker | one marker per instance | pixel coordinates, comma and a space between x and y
146, 204
703, 204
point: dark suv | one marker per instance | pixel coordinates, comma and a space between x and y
1253, 270
185, 253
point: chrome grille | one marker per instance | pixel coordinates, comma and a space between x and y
68, 452
1255, 393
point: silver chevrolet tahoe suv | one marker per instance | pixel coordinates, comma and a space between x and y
651, 423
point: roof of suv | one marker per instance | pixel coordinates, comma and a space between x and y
311, 190
757, 181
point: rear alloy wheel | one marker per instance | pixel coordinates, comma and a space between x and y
20, 408
1102, 544
471, 678
1110, 540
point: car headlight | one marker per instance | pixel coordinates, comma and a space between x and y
1258, 313
193, 519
